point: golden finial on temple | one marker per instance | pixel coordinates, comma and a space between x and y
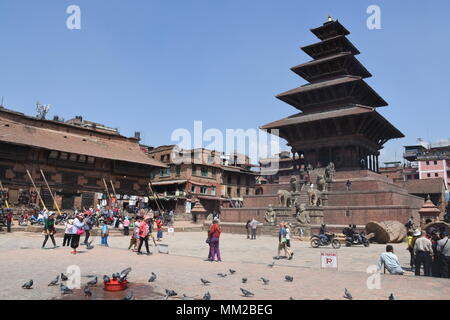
330, 19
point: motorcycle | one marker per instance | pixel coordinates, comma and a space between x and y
317, 242
354, 239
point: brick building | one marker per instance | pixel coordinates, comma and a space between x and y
200, 175
77, 158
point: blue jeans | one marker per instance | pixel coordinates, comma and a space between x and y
105, 240
323, 237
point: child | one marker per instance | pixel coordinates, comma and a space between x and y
67, 233
105, 233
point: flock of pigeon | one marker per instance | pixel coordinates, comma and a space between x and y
122, 276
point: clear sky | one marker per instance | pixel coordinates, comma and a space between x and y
157, 65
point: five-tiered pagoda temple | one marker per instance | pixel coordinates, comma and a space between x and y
338, 121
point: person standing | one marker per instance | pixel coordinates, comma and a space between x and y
67, 232
443, 247
105, 234
423, 253
248, 228
88, 224
9, 218
77, 231
214, 236
159, 231
390, 261
411, 239
143, 236
348, 185
171, 217
49, 230
126, 226
254, 226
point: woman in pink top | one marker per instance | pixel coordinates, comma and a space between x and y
126, 227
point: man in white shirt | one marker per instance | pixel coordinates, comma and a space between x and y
390, 261
253, 226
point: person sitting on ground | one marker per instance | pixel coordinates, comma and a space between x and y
390, 261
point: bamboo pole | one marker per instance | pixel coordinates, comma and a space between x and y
107, 191
6, 201
37, 191
114, 189
51, 193
155, 195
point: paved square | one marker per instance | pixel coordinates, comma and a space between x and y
181, 270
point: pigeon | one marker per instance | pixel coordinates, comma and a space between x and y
93, 282
244, 280
289, 278
247, 293
106, 279
129, 296
125, 271
28, 284
152, 277
185, 297
115, 276
205, 282
65, 289
222, 275
232, 271
64, 277
290, 298
391, 297
272, 264
266, 281
87, 291
207, 296
347, 294
54, 282
170, 293
122, 278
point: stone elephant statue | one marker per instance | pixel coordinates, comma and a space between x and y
284, 198
314, 197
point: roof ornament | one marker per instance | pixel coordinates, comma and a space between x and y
330, 19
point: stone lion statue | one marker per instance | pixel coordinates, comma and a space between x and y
284, 198
321, 183
329, 172
294, 184
270, 215
314, 197
302, 215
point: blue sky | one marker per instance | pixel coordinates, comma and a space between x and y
155, 66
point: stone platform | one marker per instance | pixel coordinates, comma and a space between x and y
372, 197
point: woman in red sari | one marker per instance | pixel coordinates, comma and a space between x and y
214, 235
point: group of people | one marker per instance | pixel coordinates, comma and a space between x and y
428, 250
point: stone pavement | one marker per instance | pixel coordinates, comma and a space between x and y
181, 270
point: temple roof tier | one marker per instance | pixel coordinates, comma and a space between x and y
330, 29
353, 120
330, 47
331, 93
340, 64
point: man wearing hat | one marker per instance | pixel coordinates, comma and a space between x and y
423, 252
443, 247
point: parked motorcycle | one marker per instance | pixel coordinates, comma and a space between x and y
354, 239
317, 242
